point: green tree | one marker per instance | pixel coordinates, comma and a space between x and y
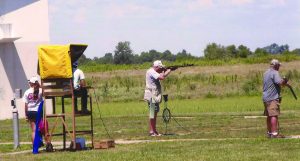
155, 54
145, 57
243, 51
167, 55
137, 59
184, 55
276, 49
260, 52
83, 59
296, 51
214, 51
108, 58
123, 53
150, 56
231, 51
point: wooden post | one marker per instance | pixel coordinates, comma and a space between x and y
73, 117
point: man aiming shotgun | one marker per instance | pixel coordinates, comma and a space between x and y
272, 83
153, 92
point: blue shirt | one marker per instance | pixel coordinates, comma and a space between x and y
271, 86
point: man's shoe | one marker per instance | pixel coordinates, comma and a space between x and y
269, 135
77, 112
157, 134
277, 136
49, 147
154, 134
41, 144
85, 111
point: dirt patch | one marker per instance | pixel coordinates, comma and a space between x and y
254, 117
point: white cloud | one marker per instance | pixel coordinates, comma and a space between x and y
281, 2
197, 4
127, 9
75, 10
267, 4
241, 2
80, 15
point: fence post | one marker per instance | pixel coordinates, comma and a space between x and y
17, 94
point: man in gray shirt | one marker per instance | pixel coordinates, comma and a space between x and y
271, 97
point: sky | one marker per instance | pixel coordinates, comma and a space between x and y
173, 24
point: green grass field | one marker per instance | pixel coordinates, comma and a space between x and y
219, 124
208, 150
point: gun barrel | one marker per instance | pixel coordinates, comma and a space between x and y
292, 91
179, 66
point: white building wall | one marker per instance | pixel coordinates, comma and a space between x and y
18, 59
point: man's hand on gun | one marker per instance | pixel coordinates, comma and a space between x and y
172, 68
285, 82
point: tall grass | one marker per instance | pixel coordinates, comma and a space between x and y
94, 67
190, 83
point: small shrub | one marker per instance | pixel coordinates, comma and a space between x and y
210, 95
105, 89
250, 87
192, 86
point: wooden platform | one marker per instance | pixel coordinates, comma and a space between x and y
104, 144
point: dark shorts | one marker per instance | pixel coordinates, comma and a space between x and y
156, 105
31, 115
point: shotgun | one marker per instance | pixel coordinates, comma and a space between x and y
174, 67
292, 91
289, 86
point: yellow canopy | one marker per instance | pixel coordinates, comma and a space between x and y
55, 60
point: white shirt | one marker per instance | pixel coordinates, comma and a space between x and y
153, 87
152, 78
77, 76
32, 103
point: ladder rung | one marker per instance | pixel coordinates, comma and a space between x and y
55, 115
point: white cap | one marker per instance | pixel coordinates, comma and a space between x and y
158, 63
275, 62
33, 80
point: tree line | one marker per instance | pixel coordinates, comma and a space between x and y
123, 54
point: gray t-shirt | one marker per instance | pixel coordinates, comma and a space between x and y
271, 86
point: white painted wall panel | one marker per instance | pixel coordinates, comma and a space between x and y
18, 59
